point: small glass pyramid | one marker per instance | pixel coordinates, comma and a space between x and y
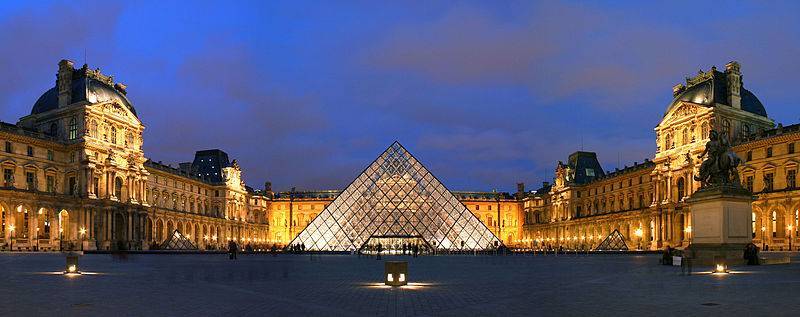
614, 242
397, 197
177, 241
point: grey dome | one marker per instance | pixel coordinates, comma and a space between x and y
83, 89
714, 90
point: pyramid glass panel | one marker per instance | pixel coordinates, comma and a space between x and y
614, 242
396, 197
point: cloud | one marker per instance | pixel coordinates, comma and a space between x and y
35, 40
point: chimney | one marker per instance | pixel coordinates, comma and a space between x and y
734, 79
64, 82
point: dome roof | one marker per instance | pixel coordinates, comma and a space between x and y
714, 90
83, 89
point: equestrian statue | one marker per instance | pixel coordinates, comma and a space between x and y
719, 168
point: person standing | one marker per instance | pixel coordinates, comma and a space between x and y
380, 248
687, 260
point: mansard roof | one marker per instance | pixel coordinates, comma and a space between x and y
87, 85
711, 88
586, 166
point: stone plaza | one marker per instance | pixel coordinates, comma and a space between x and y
344, 285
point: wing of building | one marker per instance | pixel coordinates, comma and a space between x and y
75, 176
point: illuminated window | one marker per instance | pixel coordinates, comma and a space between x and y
754, 224
113, 135
73, 128
774, 224
791, 179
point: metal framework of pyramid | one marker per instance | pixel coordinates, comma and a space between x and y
614, 242
177, 241
396, 196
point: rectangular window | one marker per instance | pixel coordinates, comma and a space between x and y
50, 155
791, 179
769, 152
9, 149
490, 207
749, 156
768, 182
30, 150
8, 177
72, 157
477, 207
749, 183
790, 148
72, 185
96, 186
30, 180
579, 194
51, 184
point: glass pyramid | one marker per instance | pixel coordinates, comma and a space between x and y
396, 196
614, 242
177, 241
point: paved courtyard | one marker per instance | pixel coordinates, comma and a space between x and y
339, 285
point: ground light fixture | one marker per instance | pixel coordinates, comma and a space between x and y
720, 266
72, 263
396, 273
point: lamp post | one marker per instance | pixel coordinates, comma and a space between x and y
790, 237
763, 239
11, 227
60, 238
83, 232
37, 239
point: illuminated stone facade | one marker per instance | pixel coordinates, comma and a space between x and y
74, 174
646, 201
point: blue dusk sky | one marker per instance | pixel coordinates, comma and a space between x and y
484, 93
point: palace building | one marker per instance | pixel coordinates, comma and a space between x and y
645, 202
75, 176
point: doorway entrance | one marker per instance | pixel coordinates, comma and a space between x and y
395, 245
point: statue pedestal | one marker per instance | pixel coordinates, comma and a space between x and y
721, 224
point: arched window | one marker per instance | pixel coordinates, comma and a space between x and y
754, 224
745, 130
73, 128
53, 129
113, 135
